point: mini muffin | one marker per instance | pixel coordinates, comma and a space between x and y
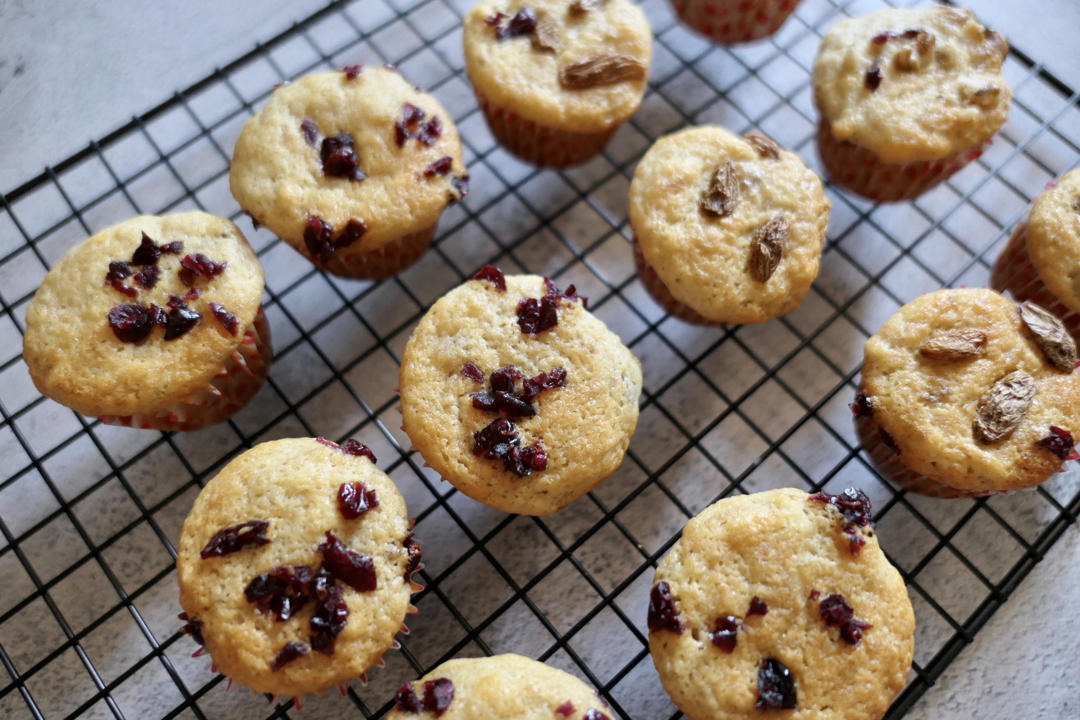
907, 98
556, 79
351, 168
781, 601
516, 394
155, 323
734, 21
503, 687
1042, 260
727, 229
966, 393
295, 566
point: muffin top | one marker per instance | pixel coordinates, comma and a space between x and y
502, 687
268, 606
732, 226
517, 395
909, 85
580, 66
971, 386
781, 601
1053, 237
91, 339
360, 150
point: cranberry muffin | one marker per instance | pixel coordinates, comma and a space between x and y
503, 687
781, 604
907, 98
966, 393
295, 565
516, 394
155, 322
352, 168
556, 79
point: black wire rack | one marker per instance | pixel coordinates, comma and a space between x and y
89, 513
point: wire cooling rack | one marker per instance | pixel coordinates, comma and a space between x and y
90, 514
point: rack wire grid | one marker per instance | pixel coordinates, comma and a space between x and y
90, 513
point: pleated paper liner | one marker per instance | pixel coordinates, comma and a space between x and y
734, 21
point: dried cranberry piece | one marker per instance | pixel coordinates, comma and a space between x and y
775, 686
290, 652
502, 380
192, 626
500, 431
226, 318
472, 372
814, 594
147, 253
409, 124
405, 699
725, 634
355, 570
836, 612
354, 499
882, 38
158, 316
192, 267
430, 131
192, 294
358, 449
595, 714
911, 33
873, 77
118, 270
352, 71
757, 607
523, 461
663, 615
175, 302
310, 132
180, 322
1059, 441
853, 504
130, 322
330, 616
862, 407
438, 694
523, 23
354, 230
318, 237
147, 277
484, 401
415, 553
565, 710
122, 288
235, 537
493, 275
281, 591
339, 157
513, 406
531, 387
494, 18
535, 316
439, 167
175, 247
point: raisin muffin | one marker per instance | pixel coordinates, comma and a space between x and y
966, 393
155, 323
1041, 263
907, 98
727, 229
734, 21
781, 601
351, 168
503, 687
295, 565
555, 79
516, 394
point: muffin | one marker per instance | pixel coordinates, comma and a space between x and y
517, 395
727, 229
155, 323
965, 393
351, 168
1042, 260
781, 601
295, 566
734, 21
503, 687
555, 79
907, 98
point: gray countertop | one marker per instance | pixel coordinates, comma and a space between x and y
72, 72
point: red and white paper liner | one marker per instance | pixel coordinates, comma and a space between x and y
662, 295
861, 171
240, 378
540, 144
1013, 272
734, 21
382, 262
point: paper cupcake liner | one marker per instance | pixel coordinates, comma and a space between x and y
240, 378
734, 21
540, 144
861, 171
662, 295
383, 262
1014, 273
